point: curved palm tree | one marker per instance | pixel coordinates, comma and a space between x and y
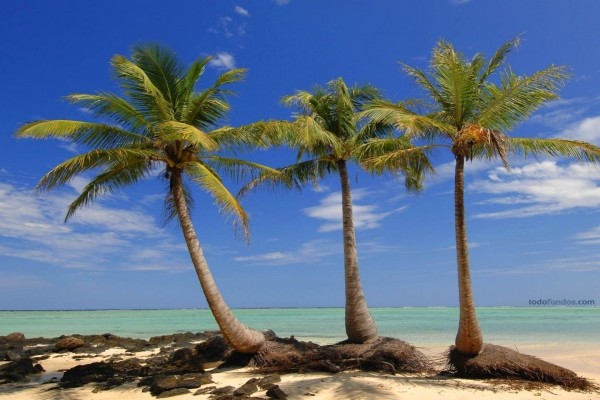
469, 114
162, 121
329, 130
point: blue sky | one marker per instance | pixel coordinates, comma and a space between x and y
534, 232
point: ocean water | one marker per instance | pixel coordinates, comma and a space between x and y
434, 326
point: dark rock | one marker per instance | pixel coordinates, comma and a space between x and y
235, 359
269, 334
192, 381
164, 383
170, 382
15, 338
172, 393
213, 349
130, 367
247, 388
14, 355
206, 390
17, 371
225, 390
82, 374
39, 350
182, 355
69, 343
111, 383
268, 380
277, 393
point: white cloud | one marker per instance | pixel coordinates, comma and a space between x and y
241, 11
282, 2
66, 144
445, 172
540, 188
591, 236
222, 27
330, 210
97, 238
223, 60
310, 252
587, 130
459, 2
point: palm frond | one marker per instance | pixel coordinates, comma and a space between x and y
312, 137
262, 134
371, 130
174, 131
67, 170
225, 201
161, 67
120, 173
424, 82
292, 176
115, 108
498, 58
238, 169
518, 97
139, 87
413, 124
206, 108
186, 86
575, 149
86, 133
169, 206
456, 82
396, 156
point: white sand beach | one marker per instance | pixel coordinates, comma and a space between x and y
355, 385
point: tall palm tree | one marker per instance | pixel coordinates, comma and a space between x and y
328, 129
161, 121
470, 114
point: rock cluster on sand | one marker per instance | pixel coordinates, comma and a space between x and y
179, 365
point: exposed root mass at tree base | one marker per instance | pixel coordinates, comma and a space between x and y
497, 362
290, 355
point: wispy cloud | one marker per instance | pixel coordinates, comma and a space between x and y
330, 211
223, 60
310, 252
540, 188
591, 236
564, 114
222, 27
588, 129
282, 2
460, 2
241, 11
97, 238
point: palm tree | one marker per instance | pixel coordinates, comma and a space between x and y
162, 121
470, 114
328, 128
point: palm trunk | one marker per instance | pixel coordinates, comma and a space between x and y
360, 326
240, 337
469, 339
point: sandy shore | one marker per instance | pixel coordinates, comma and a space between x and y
583, 359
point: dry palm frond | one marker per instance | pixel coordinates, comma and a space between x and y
476, 136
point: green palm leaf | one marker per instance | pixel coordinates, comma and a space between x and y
518, 97
173, 131
578, 150
226, 202
85, 133
115, 108
65, 171
145, 96
121, 173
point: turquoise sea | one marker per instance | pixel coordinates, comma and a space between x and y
434, 326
